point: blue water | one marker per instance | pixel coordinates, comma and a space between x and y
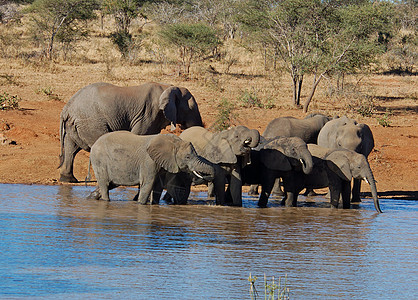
54, 243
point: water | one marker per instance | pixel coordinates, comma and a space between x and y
54, 243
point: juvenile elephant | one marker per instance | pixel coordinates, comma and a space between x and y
101, 107
334, 168
307, 129
123, 158
274, 158
229, 150
346, 133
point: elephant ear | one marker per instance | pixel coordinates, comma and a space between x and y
218, 150
162, 149
167, 103
339, 164
274, 159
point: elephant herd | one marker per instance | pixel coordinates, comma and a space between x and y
120, 127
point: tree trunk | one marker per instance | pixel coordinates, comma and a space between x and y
308, 100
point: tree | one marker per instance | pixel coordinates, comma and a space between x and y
61, 19
124, 12
193, 41
317, 37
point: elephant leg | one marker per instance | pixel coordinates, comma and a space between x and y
253, 190
235, 188
70, 151
145, 192
277, 190
290, 199
356, 191
266, 188
103, 189
345, 194
168, 198
157, 191
335, 187
211, 190
219, 187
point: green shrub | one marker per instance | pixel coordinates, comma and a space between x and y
8, 101
48, 92
249, 98
384, 120
224, 116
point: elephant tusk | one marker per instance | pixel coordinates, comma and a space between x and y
365, 179
301, 161
198, 175
247, 141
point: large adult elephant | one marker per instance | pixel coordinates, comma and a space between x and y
278, 157
124, 158
101, 107
346, 133
307, 129
230, 150
334, 168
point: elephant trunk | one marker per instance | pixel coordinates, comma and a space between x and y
307, 162
372, 182
253, 139
202, 168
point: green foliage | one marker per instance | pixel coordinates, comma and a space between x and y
249, 98
61, 20
270, 289
385, 119
8, 101
48, 91
123, 40
193, 41
318, 37
224, 116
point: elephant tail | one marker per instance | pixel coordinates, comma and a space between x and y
88, 177
63, 120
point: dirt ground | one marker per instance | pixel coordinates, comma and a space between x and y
29, 136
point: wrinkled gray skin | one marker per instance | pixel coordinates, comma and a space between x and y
307, 129
123, 158
101, 107
346, 133
274, 158
334, 168
229, 150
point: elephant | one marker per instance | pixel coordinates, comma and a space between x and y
101, 107
346, 133
334, 168
307, 129
229, 150
274, 158
123, 158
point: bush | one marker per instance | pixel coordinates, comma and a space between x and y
8, 101
225, 115
194, 41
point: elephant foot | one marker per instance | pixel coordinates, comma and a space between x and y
95, 195
68, 178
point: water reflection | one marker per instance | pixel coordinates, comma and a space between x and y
56, 243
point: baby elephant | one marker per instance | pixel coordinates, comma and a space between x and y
123, 158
